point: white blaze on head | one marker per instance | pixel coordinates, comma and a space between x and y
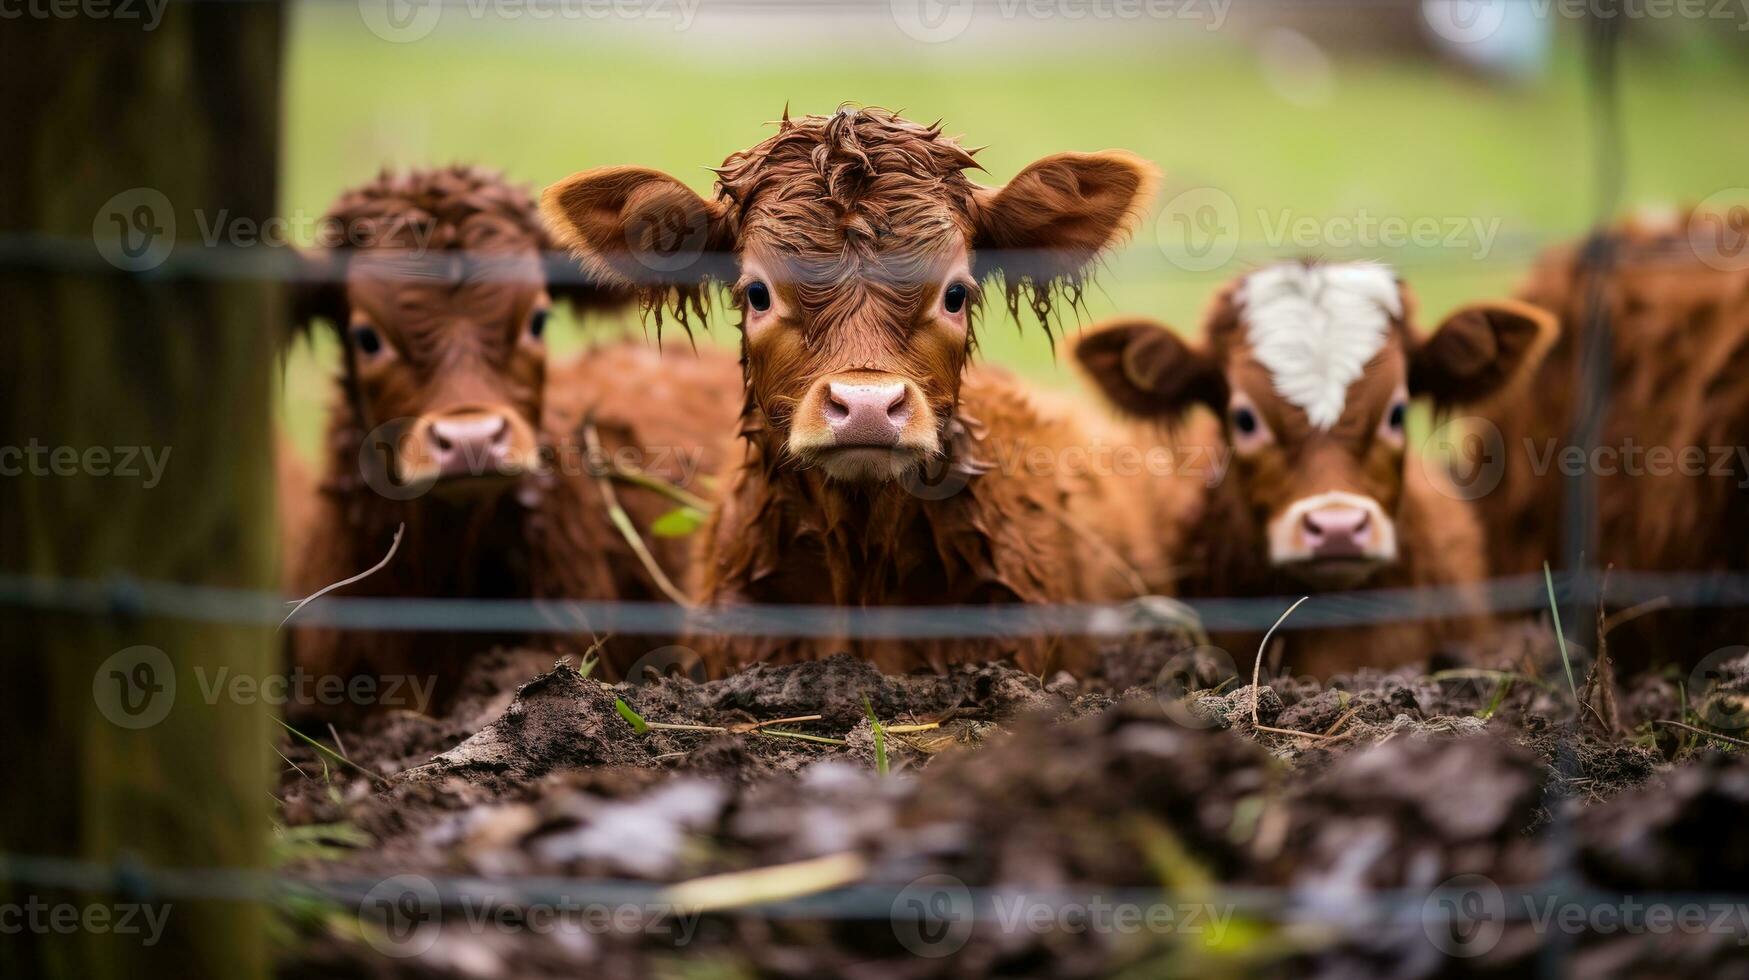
1315, 327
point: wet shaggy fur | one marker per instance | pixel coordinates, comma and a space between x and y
992, 525
1149, 373
862, 215
547, 535
1678, 381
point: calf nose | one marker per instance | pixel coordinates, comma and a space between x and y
1337, 532
475, 444
866, 415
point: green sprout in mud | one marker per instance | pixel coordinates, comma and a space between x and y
880, 736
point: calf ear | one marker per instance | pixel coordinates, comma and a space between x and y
1054, 218
1147, 371
1479, 350
639, 230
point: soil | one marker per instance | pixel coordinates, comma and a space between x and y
1159, 817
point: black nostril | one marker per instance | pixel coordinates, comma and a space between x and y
501, 435
442, 443
897, 410
1310, 522
836, 411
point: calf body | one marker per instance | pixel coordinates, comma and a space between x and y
856, 251
1309, 370
1671, 477
447, 420
1008, 516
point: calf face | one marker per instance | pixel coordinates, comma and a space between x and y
857, 253
1311, 367
435, 282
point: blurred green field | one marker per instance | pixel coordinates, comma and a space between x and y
1385, 137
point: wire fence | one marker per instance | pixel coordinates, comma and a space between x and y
127, 598
1579, 582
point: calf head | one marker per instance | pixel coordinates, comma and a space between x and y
856, 251
435, 283
1312, 366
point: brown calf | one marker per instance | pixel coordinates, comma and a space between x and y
448, 419
1671, 470
872, 473
1310, 368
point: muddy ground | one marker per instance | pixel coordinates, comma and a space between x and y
1154, 819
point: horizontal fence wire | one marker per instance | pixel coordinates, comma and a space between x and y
858, 902
128, 597
193, 259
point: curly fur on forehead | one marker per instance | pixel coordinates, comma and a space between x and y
445, 208
862, 201
875, 172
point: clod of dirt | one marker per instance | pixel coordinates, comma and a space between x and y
1404, 818
835, 689
1685, 833
1679, 845
560, 720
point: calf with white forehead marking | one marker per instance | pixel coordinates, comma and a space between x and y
881, 467
1308, 369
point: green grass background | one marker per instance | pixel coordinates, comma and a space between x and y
1394, 136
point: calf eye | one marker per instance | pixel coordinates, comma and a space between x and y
1398, 412
758, 296
368, 341
954, 300
1244, 421
537, 325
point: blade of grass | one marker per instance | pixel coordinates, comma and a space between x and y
1560, 635
1257, 665
1728, 740
880, 737
632, 718
802, 736
1504, 688
325, 750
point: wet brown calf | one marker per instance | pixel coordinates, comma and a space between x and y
1670, 466
448, 418
857, 252
1308, 370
